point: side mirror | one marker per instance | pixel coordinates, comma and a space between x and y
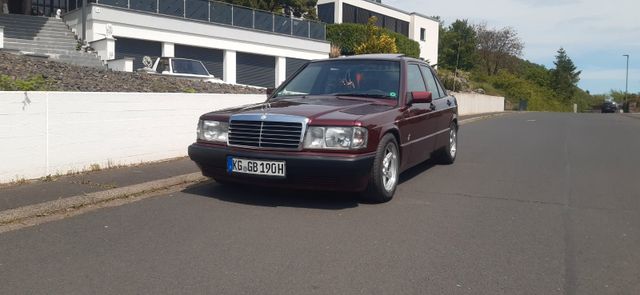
422, 97
270, 91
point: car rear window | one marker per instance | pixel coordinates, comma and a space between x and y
185, 66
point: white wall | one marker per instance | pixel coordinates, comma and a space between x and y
56, 132
473, 103
121, 65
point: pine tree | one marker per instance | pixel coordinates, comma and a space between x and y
565, 77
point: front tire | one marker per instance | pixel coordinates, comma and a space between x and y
385, 173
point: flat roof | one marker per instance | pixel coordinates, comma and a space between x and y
400, 10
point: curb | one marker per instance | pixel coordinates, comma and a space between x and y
75, 202
467, 121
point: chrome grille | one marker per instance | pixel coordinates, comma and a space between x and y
265, 134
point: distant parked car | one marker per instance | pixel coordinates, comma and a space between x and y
609, 107
350, 124
180, 67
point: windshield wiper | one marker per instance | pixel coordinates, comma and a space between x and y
370, 95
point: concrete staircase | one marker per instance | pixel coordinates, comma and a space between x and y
44, 36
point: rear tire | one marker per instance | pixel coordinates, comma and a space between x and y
385, 172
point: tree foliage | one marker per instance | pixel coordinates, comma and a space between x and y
376, 41
490, 63
457, 46
298, 8
348, 36
565, 77
495, 46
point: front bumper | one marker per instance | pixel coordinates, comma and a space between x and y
318, 172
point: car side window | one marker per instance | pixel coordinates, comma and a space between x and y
415, 82
432, 85
440, 87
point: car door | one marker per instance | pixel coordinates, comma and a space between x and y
416, 124
444, 106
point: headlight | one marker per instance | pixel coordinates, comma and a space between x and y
337, 138
213, 131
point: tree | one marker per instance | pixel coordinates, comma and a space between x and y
457, 46
565, 77
349, 36
376, 41
495, 46
298, 8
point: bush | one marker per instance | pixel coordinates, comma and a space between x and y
350, 36
461, 80
35, 83
376, 41
515, 89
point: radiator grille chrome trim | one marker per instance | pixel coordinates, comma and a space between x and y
267, 131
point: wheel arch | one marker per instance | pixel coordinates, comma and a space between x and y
396, 134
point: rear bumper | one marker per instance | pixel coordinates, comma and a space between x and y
318, 172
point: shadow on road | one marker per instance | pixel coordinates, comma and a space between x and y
271, 197
417, 170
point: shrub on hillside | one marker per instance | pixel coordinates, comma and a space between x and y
516, 89
35, 83
461, 79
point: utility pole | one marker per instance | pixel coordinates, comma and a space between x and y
455, 73
626, 83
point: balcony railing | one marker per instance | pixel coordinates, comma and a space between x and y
222, 13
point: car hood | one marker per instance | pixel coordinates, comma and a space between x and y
315, 108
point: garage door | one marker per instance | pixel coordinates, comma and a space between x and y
211, 58
256, 70
293, 64
137, 49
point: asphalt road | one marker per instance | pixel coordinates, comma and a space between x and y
537, 203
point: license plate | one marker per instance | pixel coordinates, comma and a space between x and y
256, 167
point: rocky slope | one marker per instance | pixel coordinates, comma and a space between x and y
63, 77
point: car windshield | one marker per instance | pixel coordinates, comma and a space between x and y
186, 66
366, 78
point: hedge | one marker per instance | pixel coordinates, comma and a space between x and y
348, 36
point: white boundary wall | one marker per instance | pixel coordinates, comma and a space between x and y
474, 103
44, 133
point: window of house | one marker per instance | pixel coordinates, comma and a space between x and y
423, 34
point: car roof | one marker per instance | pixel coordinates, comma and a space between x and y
377, 56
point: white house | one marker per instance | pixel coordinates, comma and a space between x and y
418, 27
239, 44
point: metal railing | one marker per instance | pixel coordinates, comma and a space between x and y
222, 13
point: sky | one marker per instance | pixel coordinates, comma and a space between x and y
595, 34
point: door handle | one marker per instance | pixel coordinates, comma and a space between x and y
433, 107
448, 102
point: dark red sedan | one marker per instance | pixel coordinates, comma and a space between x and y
352, 124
